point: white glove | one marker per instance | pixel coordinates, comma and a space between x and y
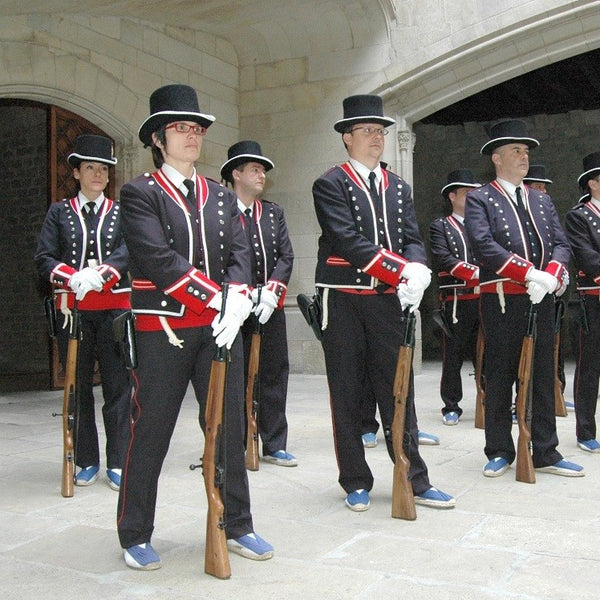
410, 295
564, 284
540, 284
226, 326
475, 274
268, 303
417, 273
85, 281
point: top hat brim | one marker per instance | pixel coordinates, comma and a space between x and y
457, 184
344, 124
158, 119
536, 179
585, 177
490, 146
240, 159
74, 159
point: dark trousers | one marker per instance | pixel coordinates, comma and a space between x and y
274, 370
161, 382
503, 334
587, 372
363, 338
369, 409
97, 343
455, 349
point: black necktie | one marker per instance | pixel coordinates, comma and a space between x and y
248, 213
373, 187
89, 212
191, 195
520, 202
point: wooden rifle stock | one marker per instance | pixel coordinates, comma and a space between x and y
69, 409
216, 557
560, 408
403, 500
480, 397
525, 471
252, 399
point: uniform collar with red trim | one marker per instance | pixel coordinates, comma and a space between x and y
360, 181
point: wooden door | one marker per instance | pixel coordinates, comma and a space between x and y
63, 128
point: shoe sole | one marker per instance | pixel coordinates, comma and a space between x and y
423, 442
562, 472
370, 445
591, 451
113, 486
497, 473
83, 482
435, 503
450, 423
246, 553
279, 462
358, 507
133, 564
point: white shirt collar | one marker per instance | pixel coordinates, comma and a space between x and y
460, 219
242, 207
83, 200
177, 178
364, 171
511, 189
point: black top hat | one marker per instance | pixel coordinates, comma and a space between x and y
243, 152
591, 168
364, 108
172, 103
536, 173
509, 131
94, 148
459, 178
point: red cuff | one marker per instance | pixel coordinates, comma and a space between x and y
515, 268
387, 267
194, 290
61, 276
464, 270
559, 271
279, 289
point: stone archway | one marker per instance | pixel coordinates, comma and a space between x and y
37, 138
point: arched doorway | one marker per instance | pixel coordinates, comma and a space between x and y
36, 139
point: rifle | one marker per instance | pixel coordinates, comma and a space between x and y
560, 408
480, 397
216, 558
252, 398
525, 471
403, 500
70, 404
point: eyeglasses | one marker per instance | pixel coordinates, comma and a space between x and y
370, 131
185, 128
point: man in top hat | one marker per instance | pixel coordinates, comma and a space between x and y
581, 225
82, 252
458, 282
536, 178
185, 241
370, 267
272, 260
523, 255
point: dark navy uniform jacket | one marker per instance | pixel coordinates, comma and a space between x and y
500, 242
452, 253
178, 259
355, 250
62, 247
582, 224
273, 253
